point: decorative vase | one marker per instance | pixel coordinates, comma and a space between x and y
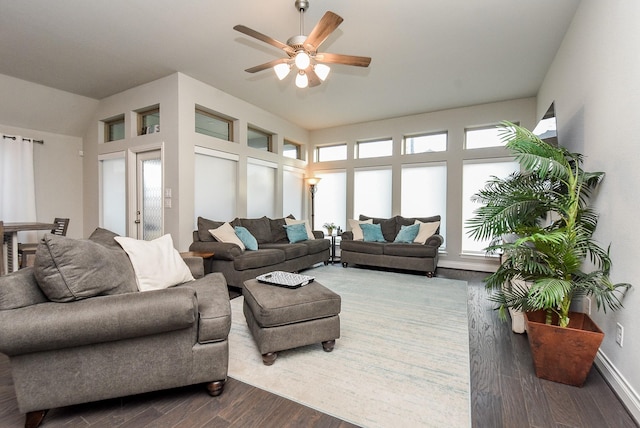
563, 354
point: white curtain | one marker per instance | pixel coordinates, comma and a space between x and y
17, 185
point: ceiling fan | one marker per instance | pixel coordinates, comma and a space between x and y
302, 51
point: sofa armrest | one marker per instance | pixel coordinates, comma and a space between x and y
434, 241
195, 265
51, 325
318, 234
220, 250
347, 235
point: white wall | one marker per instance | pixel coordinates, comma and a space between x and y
595, 82
454, 121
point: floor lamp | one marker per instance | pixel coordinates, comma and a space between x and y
312, 182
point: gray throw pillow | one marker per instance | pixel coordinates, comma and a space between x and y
73, 269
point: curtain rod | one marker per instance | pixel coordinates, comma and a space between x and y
12, 137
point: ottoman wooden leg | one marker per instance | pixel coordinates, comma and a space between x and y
269, 358
328, 345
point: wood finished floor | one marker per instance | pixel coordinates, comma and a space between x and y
504, 392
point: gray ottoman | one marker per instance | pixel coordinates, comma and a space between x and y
282, 318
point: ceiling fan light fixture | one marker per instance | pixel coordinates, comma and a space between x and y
302, 60
282, 70
302, 81
322, 71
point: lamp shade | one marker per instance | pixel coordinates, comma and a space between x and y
312, 181
282, 70
302, 81
302, 60
322, 71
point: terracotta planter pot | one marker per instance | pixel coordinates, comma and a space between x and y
563, 355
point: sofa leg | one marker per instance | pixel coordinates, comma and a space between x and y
344, 265
215, 388
34, 419
328, 345
429, 274
269, 358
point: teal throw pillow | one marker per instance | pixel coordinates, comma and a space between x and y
408, 233
247, 238
372, 232
296, 232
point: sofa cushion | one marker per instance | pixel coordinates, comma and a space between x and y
226, 233
291, 221
260, 228
409, 250
204, 225
248, 240
20, 289
356, 230
389, 226
291, 251
362, 247
105, 238
407, 221
278, 232
426, 231
296, 233
73, 269
257, 259
408, 234
372, 233
315, 246
157, 263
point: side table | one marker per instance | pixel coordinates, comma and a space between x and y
335, 242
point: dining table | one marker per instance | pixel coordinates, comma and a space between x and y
11, 230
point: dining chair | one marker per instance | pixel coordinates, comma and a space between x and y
2, 261
29, 249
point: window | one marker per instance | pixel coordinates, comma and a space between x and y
425, 143
113, 198
114, 129
424, 192
213, 125
374, 149
215, 202
259, 140
331, 153
149, 120
261, 188
331, 199
292, 191
474, 176
292, 150
372, 192
479, 138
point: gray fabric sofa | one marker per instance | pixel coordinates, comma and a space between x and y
275, 252
120, 342
389, 254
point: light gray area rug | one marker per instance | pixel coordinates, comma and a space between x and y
402, 359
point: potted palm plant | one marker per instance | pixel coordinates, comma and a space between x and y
540, 220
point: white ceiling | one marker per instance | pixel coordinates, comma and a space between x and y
427, 55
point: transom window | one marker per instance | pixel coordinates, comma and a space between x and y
425, 143
374, 148
331, 153
259, 139
149, 120
292, 150
114, 129
479, 138
213, 125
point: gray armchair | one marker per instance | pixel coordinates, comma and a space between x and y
117, 343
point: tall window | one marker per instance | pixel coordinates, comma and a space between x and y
474, 176
292, 192
372, 192
211, 200
331, 153
425, 143
260, 140
113, 195
213, 125
331, 199
424, 192
374, 149
261, 188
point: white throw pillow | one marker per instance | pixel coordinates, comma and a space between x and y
226, 233
157, 264
291, 221
354, 225
426, 231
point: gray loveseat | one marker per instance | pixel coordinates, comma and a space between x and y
389, 254
117, 343
275, 252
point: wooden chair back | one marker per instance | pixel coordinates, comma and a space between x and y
61, 226
1, 247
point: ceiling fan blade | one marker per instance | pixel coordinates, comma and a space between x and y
264, 38
358, 61
267, 65
322, 30
314, 80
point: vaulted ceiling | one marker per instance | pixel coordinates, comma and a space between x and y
427, 55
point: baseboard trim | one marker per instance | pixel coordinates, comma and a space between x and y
629, 397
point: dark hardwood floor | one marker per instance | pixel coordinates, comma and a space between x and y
504, 392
